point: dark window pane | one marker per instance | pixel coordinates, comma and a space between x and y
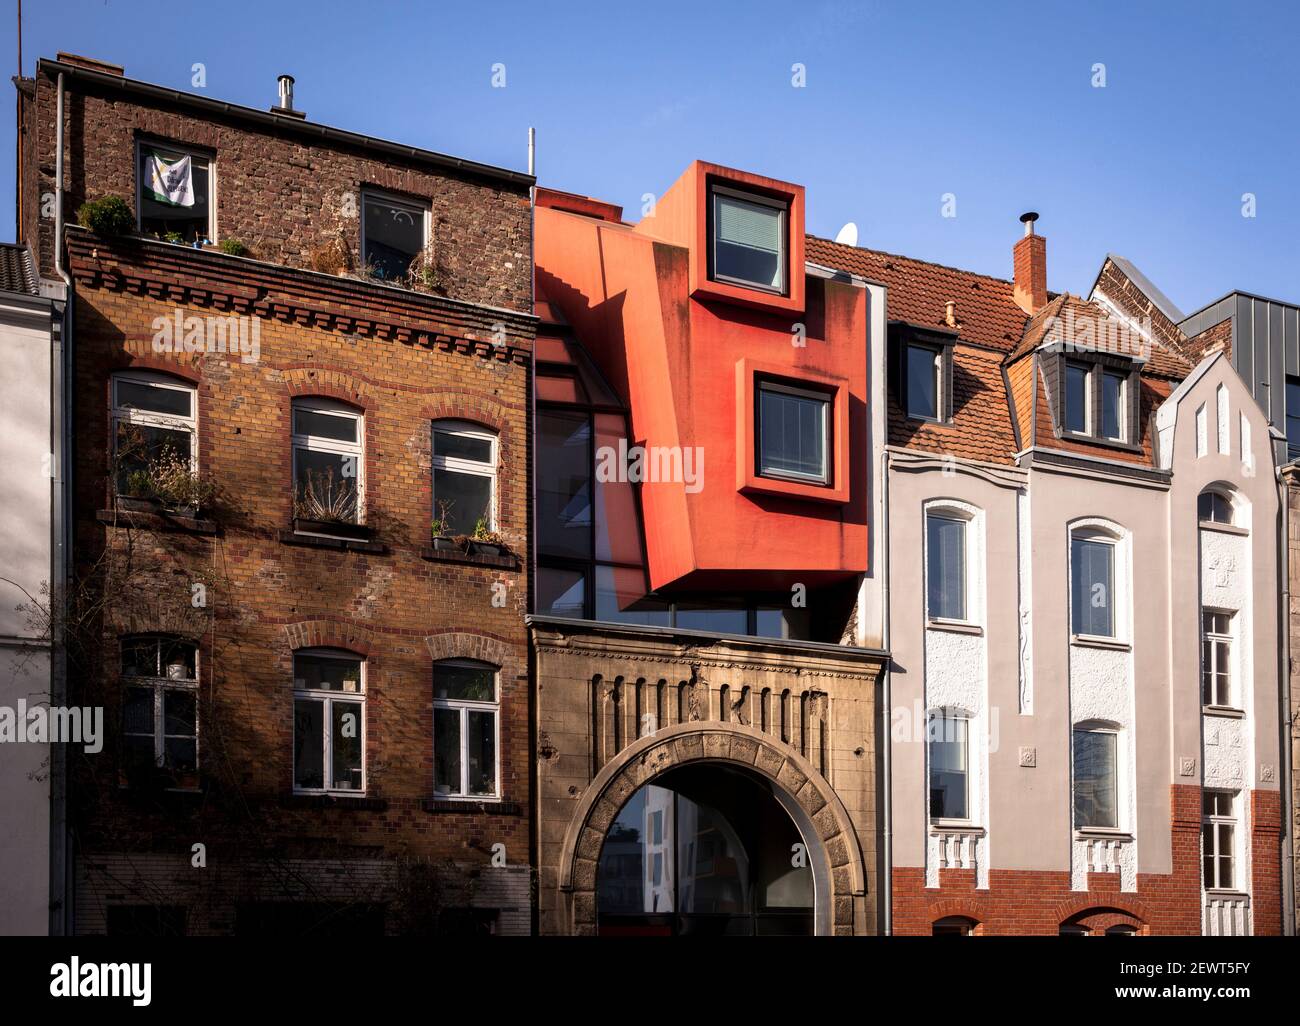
564, 471
462, 500
325, 673
345, 738
180, 753
137, 712
179, 712
148, 398
446, 751
324, 425
308, 743
948, 768
792, 435
174, 194
922, 374
481, 745
1214, 507
326, 486
1112, 392
462, 447
394, 236
1094, 779
141, 445
716, 621
946, 567
179, 660
1293, 414
1076, 397
620, 598
464, 683
748, 242
140, 657
561, 592
1092, 580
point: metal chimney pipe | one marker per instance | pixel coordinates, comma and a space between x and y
1027, 219
286, 92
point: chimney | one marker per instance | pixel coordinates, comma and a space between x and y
285, 106
1030, 259
950, 313
90, 64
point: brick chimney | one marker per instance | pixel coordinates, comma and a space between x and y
1030, 257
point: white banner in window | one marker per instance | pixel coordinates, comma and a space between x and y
171, 182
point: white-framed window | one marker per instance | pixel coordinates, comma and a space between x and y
155, 420
328, 461
945, 566
921, 374
464, 477
175, 193
1213, 507
394, 234
1114, 388
466, 730
1093, 584
794, 440
1096, 776
748, 239
1219, 840
329, 722
160, 703
1078, 393
948, 744
1216, 658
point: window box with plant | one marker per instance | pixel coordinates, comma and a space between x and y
326, 504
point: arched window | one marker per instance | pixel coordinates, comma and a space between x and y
1098, 581
155, 423
953, 926
1214, 506
464, 478
329, 721
328, 462
466, 729
953, 562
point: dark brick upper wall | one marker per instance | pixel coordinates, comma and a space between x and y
280, 192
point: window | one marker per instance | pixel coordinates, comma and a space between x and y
1121, 930
921, 380
329, 721
154, 422
175, 194
748, 243
465, 730
1073, 930
947, 737
464, 477
1095, 778
1216, 658
945, 567
1112, 406
952, 926
393, 234
1092, 578
1214, 508
1218, 826
1293, 415
1077, 377
160, 704
327, 461
792, 433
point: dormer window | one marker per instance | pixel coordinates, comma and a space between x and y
921, 377
921, 371
747, 244
1098, 399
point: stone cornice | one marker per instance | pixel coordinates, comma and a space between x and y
240, 285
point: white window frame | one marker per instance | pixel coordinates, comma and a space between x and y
157, 685
148, 418
956, 517
1121, 777
1229, 639
461, 465
1088, 371
969, 775
185, 151
327, 697
1106, 532
1216, 820
392, 199
317, 443
464, 706
1226, 497
782, 207
827, 399
1122, 401
973, 569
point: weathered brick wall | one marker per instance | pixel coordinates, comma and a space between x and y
283, 193
1129, 297
1027, 902
404, 360
1292, 478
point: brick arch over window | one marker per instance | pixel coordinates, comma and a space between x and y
478, 409
328, 382
329, 634
959, 908
191, 371
1123, 910
465, 645
799, 787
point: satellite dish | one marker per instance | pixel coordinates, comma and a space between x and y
848, 235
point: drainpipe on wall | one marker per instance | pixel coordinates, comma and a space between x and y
1286, 785
886, 740
60, 412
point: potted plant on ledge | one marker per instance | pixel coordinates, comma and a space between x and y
167, 483
487, 542
440, 530
323, 505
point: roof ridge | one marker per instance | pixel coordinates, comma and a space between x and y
915, 260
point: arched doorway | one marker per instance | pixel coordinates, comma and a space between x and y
708, 849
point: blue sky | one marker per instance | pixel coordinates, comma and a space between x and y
904, 103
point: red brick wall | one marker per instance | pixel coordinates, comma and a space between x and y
282, 193
1038, 902
1266, 861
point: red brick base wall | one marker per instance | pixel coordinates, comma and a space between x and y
1040, 902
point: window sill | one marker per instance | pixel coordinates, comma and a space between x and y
466, 806
1102, 834
505, 561
333, 800
1093, 641
155, 519
1109, 443
1211, 525
329, 542
1228, 712
951, 826
1228, 894
954, 626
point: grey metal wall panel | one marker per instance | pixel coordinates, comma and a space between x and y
1243, 342
1291, 339
1209, 317
1276, 374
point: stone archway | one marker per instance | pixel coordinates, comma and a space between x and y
818, 814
